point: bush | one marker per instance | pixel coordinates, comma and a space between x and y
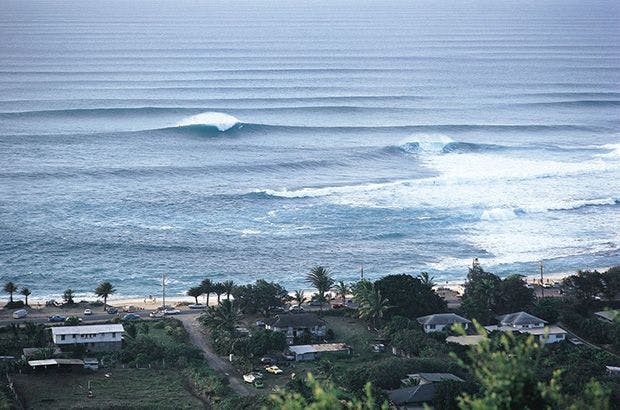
16, 304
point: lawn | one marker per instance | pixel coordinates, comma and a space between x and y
125, 388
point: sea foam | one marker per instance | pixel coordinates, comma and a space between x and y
221, 121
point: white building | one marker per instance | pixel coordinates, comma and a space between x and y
99, 338
521, 320
441, 321
312, 352
296, 324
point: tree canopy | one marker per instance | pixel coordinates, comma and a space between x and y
409, 296
261, 296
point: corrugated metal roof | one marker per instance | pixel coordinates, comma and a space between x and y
52, 362
90, 329
327, 347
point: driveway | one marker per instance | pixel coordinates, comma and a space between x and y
215, 362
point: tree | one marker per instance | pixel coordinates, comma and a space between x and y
409, 296
299, 297
194, 292
324, 397
507, 373
342, 289
72, 321
427, 279
228, 286
68, 296
218, 289
10, 288
25, 292
611, 282
262, 296
583, 286
207, 287
373, 306
320, 278
481, 294
104, 290
513, 295
224, 317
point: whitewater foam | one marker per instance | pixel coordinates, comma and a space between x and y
221, 121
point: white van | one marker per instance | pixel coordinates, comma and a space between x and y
19, 314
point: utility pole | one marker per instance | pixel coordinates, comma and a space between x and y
542, 285
163, 291
362, 272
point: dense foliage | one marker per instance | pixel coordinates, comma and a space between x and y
260, 297
409, 296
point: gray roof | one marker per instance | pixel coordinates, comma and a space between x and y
438, 377
415, 394
296, 320
442, 319
519, 318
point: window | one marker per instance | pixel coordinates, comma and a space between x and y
62, 337
114, 335
431, 326
74, 336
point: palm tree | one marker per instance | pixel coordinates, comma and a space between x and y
320, 278
26, 292
427, 279
10, 288
228, 286
299, 297
68, 296
218, 289
342, 289
194, 292
360, 289
207, 287
224, 317
373, 306
103, 290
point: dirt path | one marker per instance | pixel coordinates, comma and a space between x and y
215, 362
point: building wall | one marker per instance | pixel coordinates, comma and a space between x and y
440, 328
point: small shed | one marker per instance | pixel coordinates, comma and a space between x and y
56, 363
91, 363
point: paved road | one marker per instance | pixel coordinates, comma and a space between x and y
215, 362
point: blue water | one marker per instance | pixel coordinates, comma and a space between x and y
243, 140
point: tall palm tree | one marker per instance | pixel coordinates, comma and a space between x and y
104, 290
218, 289
26, 292
207, 287
427, 279
10, 288
224, 317
360, 289
228, 286
373, 306
342, 289
194, 292
299, 297
321, 279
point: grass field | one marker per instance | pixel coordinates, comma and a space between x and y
125, 388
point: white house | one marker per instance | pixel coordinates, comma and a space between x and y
312, 352
547, 334
441, 321
295, 325
96, 338
521, 320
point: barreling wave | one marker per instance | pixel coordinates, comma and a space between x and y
443, 145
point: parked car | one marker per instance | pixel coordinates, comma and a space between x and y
20, 314
315, 303
112, 311
267, 360
273, 370
156, 314
260, 323
295, 309
172, 312
197, 306
57, 318
131, 316
249, 378
88, 312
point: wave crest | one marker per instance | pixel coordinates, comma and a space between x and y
219, 120
443, 145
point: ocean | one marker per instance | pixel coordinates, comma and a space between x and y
245, 140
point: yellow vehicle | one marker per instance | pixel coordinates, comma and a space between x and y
274, 369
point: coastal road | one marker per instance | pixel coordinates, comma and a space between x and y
215, 362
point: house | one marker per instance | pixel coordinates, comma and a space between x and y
525, 323
452, 297
313, 352
521, 320
440, 321
95, 338
295, 325
613, 370
416, 396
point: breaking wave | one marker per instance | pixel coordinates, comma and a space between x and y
221, 121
